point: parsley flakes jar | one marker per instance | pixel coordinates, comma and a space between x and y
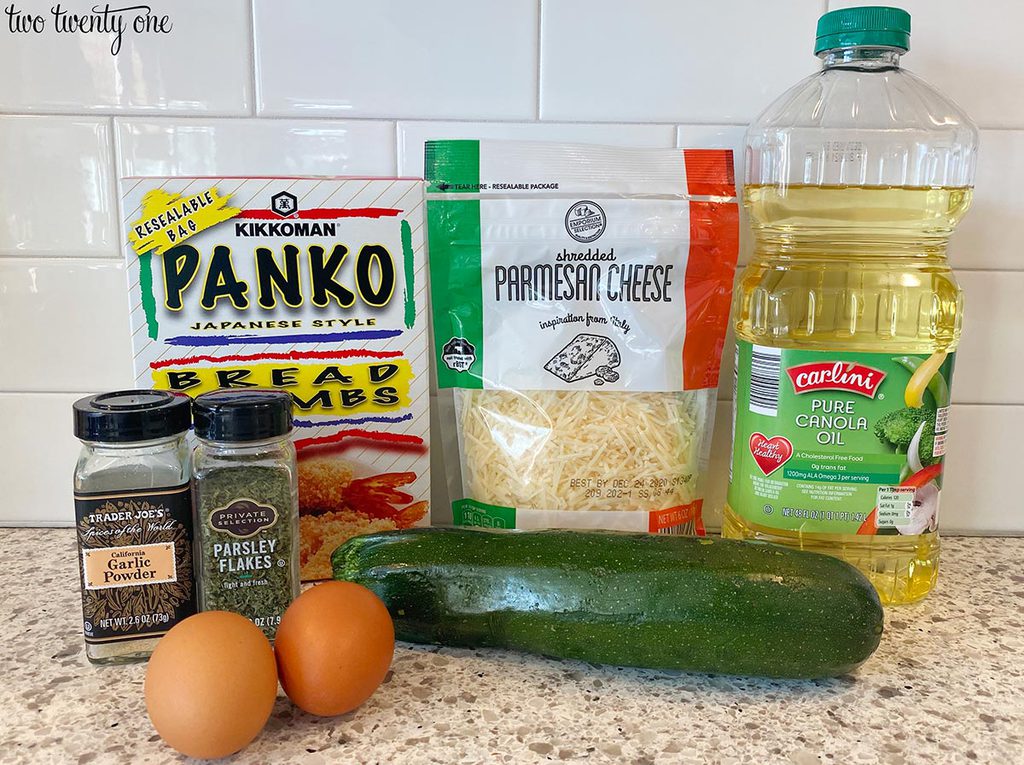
245, 490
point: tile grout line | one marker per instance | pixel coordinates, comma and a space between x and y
199, 118
163, 115
253, 79
114, 166
65, 256
397, 144
540, 57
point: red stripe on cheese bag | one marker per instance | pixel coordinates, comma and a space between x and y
711, 268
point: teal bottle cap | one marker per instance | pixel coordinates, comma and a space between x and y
868, 26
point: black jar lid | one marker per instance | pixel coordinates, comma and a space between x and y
242, 415
131, 415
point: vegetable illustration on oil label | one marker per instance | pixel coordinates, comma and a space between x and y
838, 442
311, 285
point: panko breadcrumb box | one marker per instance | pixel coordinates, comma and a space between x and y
316, 286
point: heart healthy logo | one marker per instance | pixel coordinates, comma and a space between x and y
836, 375
770, 453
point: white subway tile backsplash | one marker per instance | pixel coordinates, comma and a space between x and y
969, 51
348, 88
716, 480
56, 186
38, 489
990, 234
203, 65
990, 362
442, 439
63, 325
412, 136
976, 498
255, 147
661, 61
443, 59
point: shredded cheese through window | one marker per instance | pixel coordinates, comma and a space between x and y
580, 450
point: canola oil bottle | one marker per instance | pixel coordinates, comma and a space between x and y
848, 317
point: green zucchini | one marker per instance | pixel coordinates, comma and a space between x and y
643, 600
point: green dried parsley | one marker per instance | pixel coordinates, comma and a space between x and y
246, 542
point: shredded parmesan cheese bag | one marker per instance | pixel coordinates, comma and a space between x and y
580, 299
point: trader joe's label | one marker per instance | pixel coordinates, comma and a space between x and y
839, 442
316, 286
136, 566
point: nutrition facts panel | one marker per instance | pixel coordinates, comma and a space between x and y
895, 505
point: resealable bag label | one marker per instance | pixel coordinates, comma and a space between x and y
839, 442
313, 285
580, 298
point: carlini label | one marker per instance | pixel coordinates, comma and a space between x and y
837, 442
835, 375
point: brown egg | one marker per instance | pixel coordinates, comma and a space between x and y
334, 647
211, 684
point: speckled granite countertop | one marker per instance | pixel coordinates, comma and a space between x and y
946, 686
